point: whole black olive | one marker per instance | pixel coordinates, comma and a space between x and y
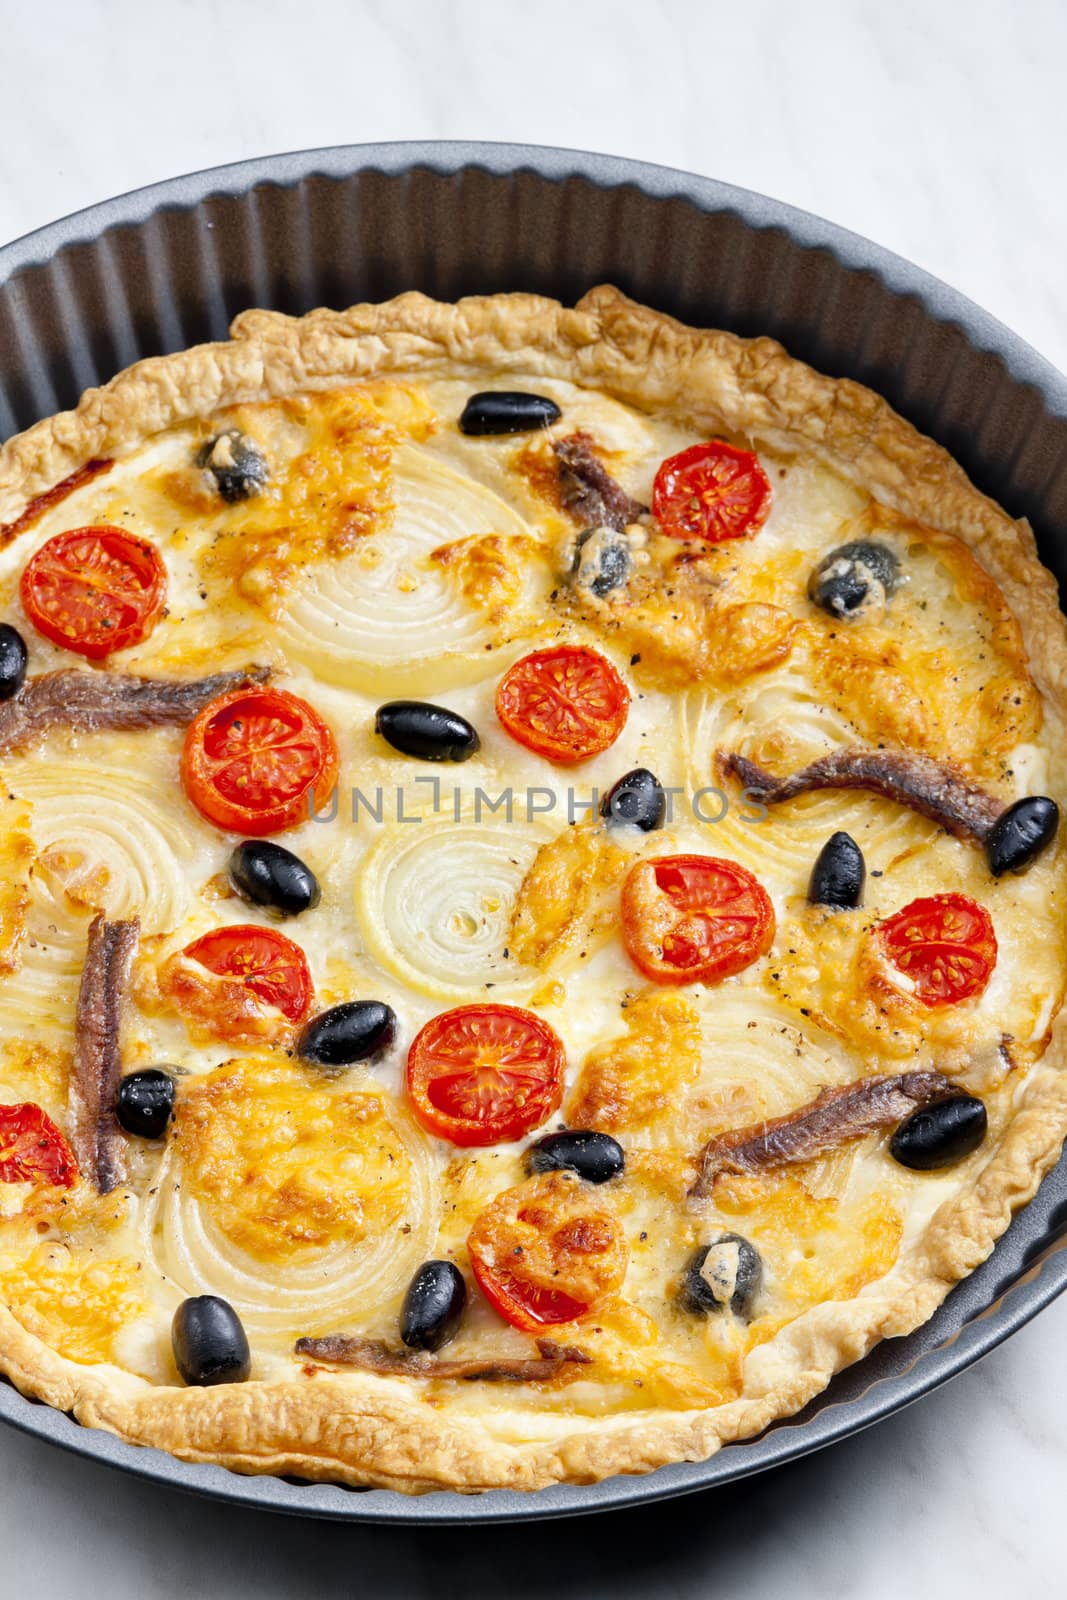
432, 733
941, 1134
853, 575
357, 1030
12, 661
235, 464
839, 873
1021, 833
210, 1345
602, 560
145, 1101
638, 799
433, 1306
267, 874
507, 411
726, 1272
596, 1157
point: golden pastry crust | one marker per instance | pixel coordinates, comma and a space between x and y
360, 1428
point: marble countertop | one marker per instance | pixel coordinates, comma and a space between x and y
937, 129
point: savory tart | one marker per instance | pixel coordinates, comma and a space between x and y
531, 930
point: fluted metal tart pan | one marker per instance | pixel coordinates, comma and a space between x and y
168, 266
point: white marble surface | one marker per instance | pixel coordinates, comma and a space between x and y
937, 128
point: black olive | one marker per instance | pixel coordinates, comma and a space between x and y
12, 661
433, 1306
941, 1134
235, 464
726, 1272
853, 574
596, 1157
507, 411
1021, 833
354, 1031
602, 560
210, 1345
638, 799
432, 733
145, 1102
839, 873
267, 874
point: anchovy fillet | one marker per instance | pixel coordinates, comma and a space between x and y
588, 492
933, 788
99, 1143
87, 701
374, 1355
838, 1114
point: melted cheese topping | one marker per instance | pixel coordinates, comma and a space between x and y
389, 555
282, 1166
74, 1303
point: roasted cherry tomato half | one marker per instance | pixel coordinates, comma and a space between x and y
694, 919
547, 1251
254, 758
945, 945
32, 1149
94, 590
566, 704
485, 1074
712, 492
262, 962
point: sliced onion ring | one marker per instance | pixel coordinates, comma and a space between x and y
386, 619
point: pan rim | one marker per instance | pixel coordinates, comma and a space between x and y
556, 163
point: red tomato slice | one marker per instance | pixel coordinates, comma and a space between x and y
946, 945
32, 1149
485, 1074
94, 590
254, 756
567, 704
694, 919
711, 491
547, 1251
263, 962
524, 1305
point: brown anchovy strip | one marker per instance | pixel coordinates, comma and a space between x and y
588, 492
377, 1356
933, 788
87, 701
837, 1114
99, 1143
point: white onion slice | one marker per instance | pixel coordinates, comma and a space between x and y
385, 618
434, 900
765, 1054
758, 1060
782, 724
105, 840
778, 720
320, 1291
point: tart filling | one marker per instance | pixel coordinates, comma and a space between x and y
532, 922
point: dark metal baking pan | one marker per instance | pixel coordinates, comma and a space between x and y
169, 266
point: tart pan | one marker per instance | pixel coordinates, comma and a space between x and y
168, 266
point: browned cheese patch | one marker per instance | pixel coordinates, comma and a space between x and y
567, 902
286, 1165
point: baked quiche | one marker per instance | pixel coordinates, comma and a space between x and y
532, 919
